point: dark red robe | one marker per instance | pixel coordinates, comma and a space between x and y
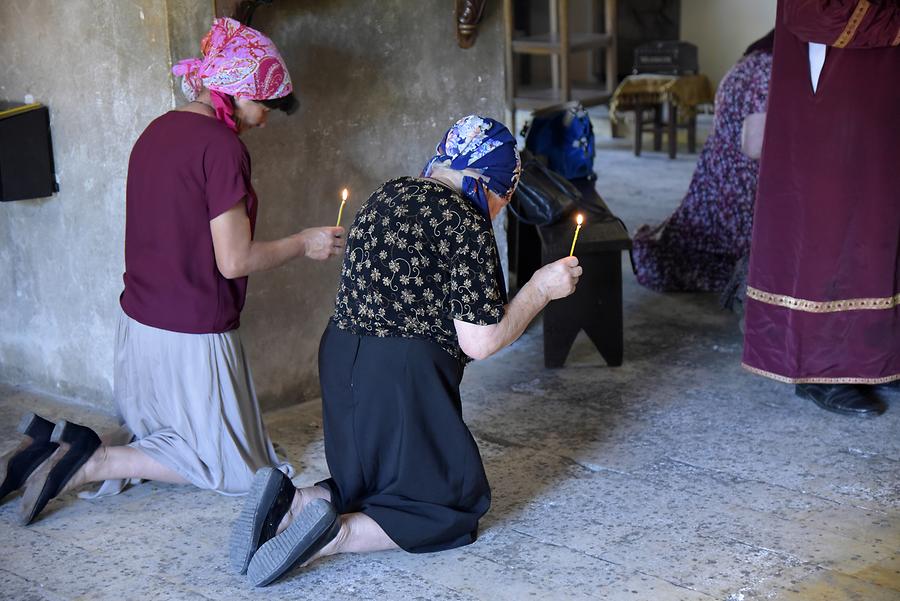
824, 284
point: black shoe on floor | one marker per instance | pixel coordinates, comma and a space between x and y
19, 463
270, 498
316, 526
845, 399
76, 445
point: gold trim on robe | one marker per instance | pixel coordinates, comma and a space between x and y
801, 304
896, 41
786, 380
853, 24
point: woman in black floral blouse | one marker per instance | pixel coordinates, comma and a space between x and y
421, 294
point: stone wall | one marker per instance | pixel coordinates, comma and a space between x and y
378, 83
102, 68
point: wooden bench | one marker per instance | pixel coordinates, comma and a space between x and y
596, 305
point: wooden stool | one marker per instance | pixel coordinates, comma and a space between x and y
671, 128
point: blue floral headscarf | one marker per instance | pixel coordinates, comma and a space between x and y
484, 145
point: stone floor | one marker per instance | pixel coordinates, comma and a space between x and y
677, 476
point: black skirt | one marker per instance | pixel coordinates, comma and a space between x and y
395, 441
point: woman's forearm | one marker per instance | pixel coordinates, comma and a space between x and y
525, 306
552, 281
238, 255
264, 255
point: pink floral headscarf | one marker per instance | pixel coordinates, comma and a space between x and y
237, 61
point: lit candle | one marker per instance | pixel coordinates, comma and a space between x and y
344, 194
579, 220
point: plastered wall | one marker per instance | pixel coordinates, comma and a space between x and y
378, 82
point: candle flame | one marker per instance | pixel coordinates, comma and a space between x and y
579, 219
344, 194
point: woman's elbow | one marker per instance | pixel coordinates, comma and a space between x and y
479, 355
476, 341
231, 268
476, 349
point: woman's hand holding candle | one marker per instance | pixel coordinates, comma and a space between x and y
322, 243
558, 279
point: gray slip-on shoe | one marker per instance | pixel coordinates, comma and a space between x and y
268, 501
315, 527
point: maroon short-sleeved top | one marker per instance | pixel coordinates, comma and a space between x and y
184, 170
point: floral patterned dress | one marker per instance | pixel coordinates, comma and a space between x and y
418, 256
697, 247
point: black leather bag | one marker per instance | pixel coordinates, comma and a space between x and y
542, 197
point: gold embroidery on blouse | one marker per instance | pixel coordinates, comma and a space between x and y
896, 41
814, 380
853, 24
801, 304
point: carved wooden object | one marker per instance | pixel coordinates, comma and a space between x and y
468, 16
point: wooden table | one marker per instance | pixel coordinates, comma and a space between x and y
680, 95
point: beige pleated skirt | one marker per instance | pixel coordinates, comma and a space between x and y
188, 401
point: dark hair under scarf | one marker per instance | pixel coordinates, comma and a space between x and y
483, 145
763, 44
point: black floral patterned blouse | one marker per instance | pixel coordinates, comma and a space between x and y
419, 255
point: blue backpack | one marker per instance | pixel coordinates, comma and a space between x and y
564, 135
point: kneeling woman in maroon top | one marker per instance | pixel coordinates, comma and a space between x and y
182, 381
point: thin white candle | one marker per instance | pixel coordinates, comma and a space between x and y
344, 195
579, 220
